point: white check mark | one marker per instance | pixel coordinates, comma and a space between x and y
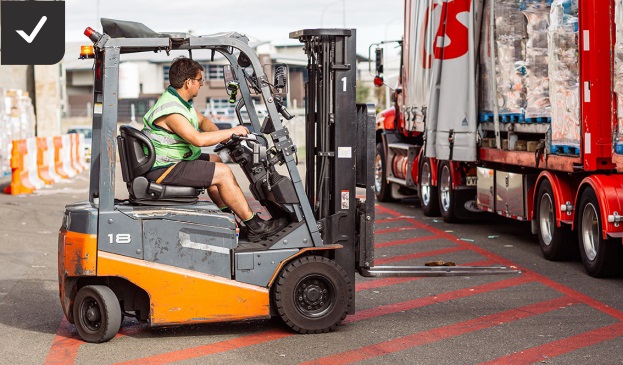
31, 37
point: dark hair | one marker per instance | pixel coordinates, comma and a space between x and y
182, 69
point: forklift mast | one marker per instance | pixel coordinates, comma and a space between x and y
339, 146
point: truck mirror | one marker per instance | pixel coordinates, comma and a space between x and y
379, 61
280, 75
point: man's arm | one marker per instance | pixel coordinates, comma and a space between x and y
205, 124
179, 125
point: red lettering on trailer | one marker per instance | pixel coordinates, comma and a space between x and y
449, 27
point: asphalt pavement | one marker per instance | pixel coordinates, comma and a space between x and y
553, 313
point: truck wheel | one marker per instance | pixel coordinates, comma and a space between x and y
313, 295
97, 313
447, 196
601, 257
427, 192
382, 188
554, 240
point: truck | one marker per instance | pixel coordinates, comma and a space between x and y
512, 107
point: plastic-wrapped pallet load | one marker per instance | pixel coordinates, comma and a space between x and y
485, 96
5, 142
510, 42
17, 121
618, 74
538, 106
510, 64
564, 77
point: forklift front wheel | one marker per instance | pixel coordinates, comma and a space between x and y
313, 295
97, 313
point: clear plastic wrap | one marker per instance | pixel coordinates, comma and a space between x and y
564, 75
537, 13
510, 49
618, 74
17, 121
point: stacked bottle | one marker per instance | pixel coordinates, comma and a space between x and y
564, 77
618, 74
510, 43
537, 13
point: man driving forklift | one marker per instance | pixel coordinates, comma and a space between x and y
178, 132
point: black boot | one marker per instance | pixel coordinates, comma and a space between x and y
259, 229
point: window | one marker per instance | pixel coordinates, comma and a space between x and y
219, 104
165, 70
214, 72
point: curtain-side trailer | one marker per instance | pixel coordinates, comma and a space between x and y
514, 107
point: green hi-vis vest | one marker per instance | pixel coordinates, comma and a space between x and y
170, 148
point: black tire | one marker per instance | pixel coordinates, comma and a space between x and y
601, 257
382, 188
97, 313
427, 193
313, 295
556, 242
447, 194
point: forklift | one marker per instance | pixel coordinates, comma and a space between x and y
167, 258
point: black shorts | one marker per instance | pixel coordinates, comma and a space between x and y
197, 173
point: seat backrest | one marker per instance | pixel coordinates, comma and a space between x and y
134, 161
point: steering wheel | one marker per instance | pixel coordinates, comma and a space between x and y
234, 140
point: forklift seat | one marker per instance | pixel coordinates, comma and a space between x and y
135, 163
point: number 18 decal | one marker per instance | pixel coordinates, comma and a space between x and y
121, 238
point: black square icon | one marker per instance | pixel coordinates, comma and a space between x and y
33, 32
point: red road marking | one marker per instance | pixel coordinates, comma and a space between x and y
394, 230
209, 349
405, 241
433, 299
64, 346
499, 259
417, 255
441, 333
561, 347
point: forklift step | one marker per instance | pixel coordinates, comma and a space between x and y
435, 271
263, 245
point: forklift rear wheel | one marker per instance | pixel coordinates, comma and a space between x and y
601, 257
97, 313
447, 196
382, 188
554, 240
313, 295
428, 193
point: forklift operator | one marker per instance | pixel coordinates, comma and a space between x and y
178, 132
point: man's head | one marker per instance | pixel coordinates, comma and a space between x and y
186, 74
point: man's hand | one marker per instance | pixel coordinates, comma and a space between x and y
240, 130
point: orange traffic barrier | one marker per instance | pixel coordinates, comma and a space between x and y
45, 160
20, 182
36, 162
76, 164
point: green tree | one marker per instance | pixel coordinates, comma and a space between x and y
363, 92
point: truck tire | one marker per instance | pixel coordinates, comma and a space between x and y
428, 193
601, 257
312, 295
97, 313
447, 194
382, 188
555, 242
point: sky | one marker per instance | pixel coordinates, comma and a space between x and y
266, 20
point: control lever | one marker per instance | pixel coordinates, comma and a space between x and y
282, 109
